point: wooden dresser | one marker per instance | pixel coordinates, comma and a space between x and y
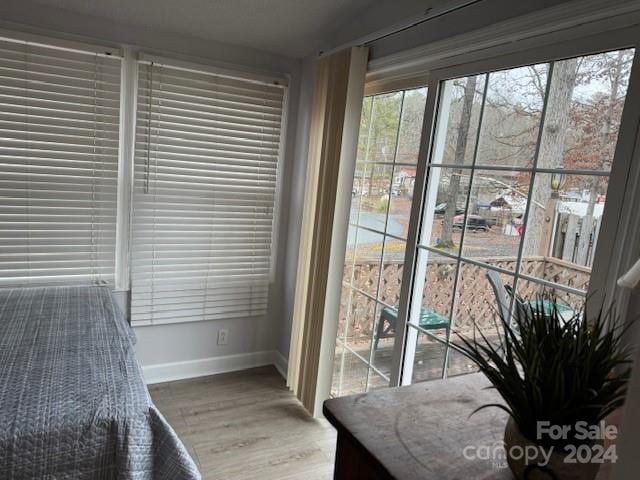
419, 432
423, 432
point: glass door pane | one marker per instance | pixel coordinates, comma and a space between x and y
389, 140
516, 188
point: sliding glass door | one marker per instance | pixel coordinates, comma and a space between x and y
515, 189
382, 194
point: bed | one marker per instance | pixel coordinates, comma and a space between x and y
73, 402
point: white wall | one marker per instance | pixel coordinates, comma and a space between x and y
34, 14
190, 348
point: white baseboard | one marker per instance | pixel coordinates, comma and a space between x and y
167, 372
281, 363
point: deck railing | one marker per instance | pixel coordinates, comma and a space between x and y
476, 302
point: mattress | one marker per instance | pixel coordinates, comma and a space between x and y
73, 402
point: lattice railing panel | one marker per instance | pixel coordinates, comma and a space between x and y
476, 301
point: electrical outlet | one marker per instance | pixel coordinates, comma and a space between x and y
222, 336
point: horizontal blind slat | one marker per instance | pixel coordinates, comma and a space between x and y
59, 131
205, 179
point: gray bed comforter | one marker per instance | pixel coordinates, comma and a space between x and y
73, 403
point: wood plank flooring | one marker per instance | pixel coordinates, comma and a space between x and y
247, 425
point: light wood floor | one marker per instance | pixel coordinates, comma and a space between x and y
247, 425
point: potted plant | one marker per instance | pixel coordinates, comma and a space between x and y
559, 378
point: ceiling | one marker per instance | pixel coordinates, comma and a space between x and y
287, 27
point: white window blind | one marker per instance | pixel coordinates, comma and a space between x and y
206, 164
59, 114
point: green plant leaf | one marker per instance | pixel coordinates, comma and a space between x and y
550, 368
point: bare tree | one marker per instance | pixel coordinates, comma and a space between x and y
614, 72
446, 240
615, 78
551, 149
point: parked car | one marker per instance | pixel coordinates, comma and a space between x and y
474, 222
491, 221
441, 207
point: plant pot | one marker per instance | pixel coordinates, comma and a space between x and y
534, 466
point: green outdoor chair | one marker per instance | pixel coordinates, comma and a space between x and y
499, 289
429, 320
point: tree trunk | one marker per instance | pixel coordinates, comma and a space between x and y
606, 132
446, 239
551, 151
598, 183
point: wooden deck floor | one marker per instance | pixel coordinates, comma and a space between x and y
428, 362
247, 425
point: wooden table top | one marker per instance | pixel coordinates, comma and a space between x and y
421, 431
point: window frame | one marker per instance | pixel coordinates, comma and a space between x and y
129, 57
604, 273
133, 59
357, 226
98, 49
